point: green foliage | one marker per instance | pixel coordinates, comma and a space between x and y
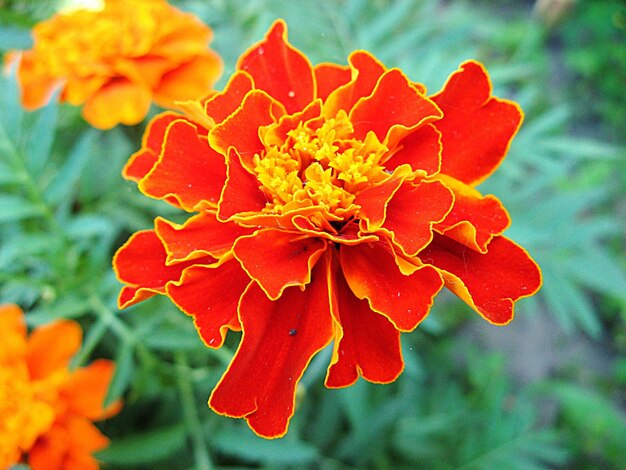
64, 210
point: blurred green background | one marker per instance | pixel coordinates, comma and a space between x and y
547, 391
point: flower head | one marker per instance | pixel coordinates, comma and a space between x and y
45, 409
332, 203
117, 59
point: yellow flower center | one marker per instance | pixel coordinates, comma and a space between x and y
318, 163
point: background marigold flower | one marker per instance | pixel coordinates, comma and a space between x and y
332, 203
45, 409
117, 59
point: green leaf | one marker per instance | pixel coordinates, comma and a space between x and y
14, 208
124, 368
144, 448
243, 444
65, 182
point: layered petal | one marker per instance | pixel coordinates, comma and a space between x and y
412, 212
476, 127
329, 77
366, 71
276, 259
421, 149
199, 236
221, 105
141, 264
279, 339
210, 295
188, 169
241, 193
280, 70
142, 161
371, 272
490, 283
393, 110
474, 219
367, 344
241, 129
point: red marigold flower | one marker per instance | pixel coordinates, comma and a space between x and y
118, 59
46, 410
332, 203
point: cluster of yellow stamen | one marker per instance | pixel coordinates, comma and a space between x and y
322, 165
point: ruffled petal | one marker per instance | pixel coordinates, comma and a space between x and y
241, 193
210, 295
277, 259
199, 236
371, 272
241, 129
189, 81
279, 339
329, 77
412, 212
366, 344
86, 389
490, 283
119, 101
188, 169
12, 334
141, 264
46, 354
474, 219
366, 71
476, 128
373, 200
279, 69
142, 161
393, 110
421, 149
221, 105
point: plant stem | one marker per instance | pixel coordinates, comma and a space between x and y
194, 427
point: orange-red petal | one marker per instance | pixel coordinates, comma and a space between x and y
366, 71
329, 77
277, 259
393, 109
476, 128
279, 69
367, 344
490, 283
371, 272
474, 219
46, 353
141, 264
279, 339
221, 105
241, 129
210, 295
199, 236
142, 161
412, 212
188, 169
241, 192
421, 149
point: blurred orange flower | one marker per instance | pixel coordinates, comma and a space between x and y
332, 204
118, 59
45, 409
